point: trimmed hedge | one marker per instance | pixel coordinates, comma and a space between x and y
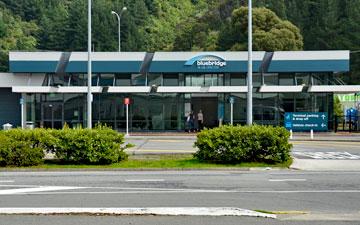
101, 145
236, 144
17, 149
84, 146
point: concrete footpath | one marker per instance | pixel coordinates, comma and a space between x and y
326, 152
321, 136
325, 165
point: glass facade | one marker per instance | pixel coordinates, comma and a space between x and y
160, 111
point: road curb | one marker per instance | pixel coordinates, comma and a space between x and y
325, 165
177, 211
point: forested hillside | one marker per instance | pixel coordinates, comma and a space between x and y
151, 25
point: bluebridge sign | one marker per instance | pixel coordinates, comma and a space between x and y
207, 62
305, 121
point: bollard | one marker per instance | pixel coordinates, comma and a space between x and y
291, 134
312, 134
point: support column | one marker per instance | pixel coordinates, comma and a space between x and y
23, 110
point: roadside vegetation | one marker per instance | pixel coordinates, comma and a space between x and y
239, 144
99, 146
145, 162
102, 147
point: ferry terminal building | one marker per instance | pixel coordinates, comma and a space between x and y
49, 89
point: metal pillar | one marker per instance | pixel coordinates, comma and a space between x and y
249, 77
89, 94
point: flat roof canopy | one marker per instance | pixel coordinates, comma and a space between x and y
180, 62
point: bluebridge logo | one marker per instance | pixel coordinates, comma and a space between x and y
207, 62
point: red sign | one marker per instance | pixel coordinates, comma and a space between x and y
126, 101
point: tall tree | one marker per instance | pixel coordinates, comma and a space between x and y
14, 35
52, 24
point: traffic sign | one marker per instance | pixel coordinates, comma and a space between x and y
231, 100
305, 121
126, 101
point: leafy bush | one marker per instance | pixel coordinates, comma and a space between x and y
101, 145
236, 144
17, 149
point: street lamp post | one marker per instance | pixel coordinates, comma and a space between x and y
249, 75
89, 94
119, 23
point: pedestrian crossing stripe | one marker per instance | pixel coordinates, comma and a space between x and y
327, 155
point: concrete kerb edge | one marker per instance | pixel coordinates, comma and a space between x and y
176, 211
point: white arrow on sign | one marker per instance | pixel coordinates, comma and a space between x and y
323, 125
323, 116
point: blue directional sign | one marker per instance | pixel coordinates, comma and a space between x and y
305, 121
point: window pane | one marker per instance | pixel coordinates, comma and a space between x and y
220, 80
271, 78
302, 79
208, 80
286, 79
237, 79
155, 79
197, 80
106, 80
171, 79
123, 80
77, 80
138, 79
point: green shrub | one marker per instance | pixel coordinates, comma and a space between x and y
236, 144
18, 149
101, 145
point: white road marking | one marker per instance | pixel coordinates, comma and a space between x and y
7, 181
285, 180
18, 185
146, 180
199, 191
328, 155
168, 211
35, 189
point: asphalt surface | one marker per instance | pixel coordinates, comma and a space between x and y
325, 197
155, 220
315, 192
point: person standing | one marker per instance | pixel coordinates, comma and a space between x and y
187, 124
191, 121
200, 119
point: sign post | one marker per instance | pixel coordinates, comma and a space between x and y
306, 121
22, 113
127, 103
232, 101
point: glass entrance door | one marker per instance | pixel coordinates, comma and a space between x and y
209, 108
52, 115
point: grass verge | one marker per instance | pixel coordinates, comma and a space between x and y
174, 161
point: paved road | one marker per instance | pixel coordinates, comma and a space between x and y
331, 193
153, 220
327, 197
